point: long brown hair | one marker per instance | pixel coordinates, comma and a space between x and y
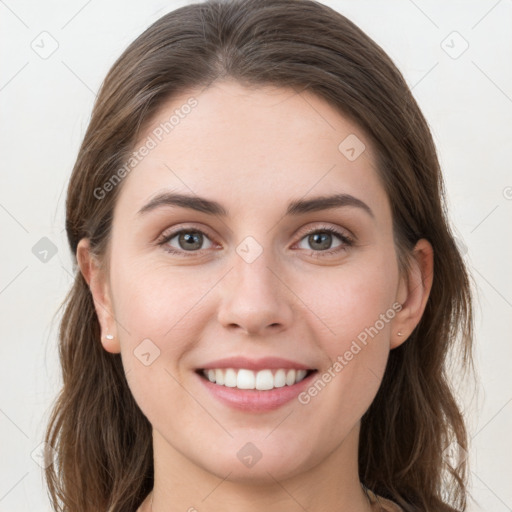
102, 441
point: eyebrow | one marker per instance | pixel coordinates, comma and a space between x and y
296, 207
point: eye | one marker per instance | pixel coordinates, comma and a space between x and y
321, 239
185, 240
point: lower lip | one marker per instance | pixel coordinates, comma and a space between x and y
253, 400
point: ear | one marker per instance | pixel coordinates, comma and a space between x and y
413, 292
98, 283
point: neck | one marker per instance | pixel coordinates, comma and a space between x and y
330, 484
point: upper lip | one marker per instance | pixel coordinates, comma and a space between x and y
255, 364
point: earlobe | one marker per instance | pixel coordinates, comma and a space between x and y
99, 287
414, 291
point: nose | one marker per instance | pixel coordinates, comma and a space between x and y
254, 298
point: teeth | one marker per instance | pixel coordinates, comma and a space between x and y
247, 379
219, 377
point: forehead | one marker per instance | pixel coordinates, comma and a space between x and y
251, 146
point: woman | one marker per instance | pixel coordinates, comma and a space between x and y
267, 286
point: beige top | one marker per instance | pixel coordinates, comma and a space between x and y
381, 504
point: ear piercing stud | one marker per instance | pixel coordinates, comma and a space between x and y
399, 333
109, 336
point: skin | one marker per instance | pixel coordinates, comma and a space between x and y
254, 150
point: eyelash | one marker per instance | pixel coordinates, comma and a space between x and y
347, 241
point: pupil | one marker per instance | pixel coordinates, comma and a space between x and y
321, 237
191, 240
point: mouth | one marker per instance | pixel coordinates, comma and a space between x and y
261, 380
255, 385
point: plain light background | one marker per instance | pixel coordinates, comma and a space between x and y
456, 56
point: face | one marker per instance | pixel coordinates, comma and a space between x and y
256, 270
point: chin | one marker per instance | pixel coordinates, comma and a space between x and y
259, 463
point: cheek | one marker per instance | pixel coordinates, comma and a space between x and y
353, 309
352, 301
162, 304
154, 308
149, 300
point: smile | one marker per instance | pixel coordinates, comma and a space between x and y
255, 391
262, 380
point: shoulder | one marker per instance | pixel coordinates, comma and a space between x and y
381, 504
